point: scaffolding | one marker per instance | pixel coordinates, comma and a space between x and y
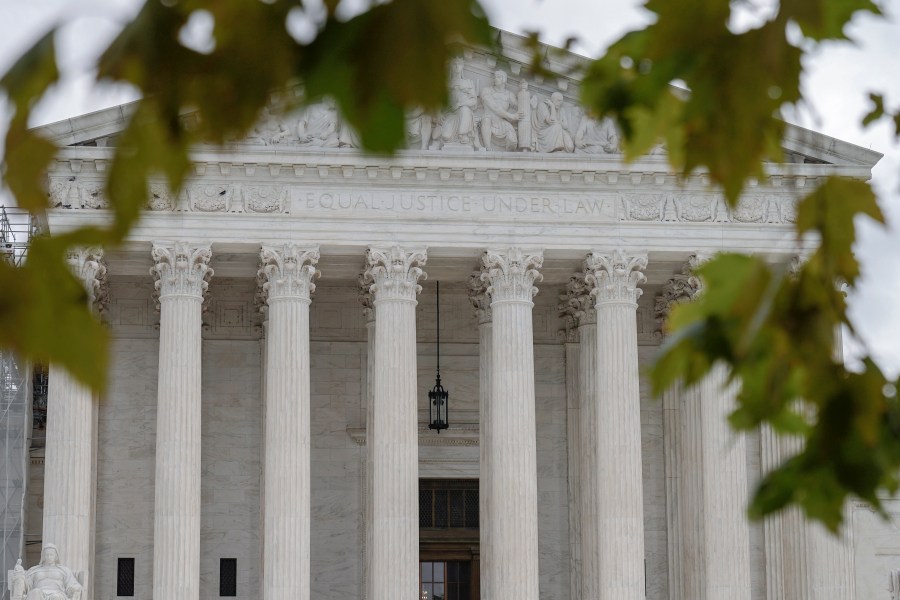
16, 228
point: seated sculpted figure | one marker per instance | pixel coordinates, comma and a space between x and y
48, 580
596, 137
497, 131
457, 125
551, 129
319, 126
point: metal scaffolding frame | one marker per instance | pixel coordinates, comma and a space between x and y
16, 228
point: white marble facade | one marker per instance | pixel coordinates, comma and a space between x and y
594, 477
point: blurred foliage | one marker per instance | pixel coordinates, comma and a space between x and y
774, 329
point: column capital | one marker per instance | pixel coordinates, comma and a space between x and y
615, 276
395, 272
478, 296
287, 271
682, 287
365, 297
181, 269
89, 266
576, 304
511, 274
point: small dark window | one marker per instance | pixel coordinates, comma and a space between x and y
227, 577
125, 577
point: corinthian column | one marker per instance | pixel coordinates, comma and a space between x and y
481, 302
394, 436
182, 271
511, 442
365, 299
71, 434
711, 486
613, 510
287, 272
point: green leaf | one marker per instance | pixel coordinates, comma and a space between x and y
825, 19
877, 112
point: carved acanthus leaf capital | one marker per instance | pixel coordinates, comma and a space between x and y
683, 287
576, 304
287, 271
181, 269
479, 298
365, 297
511, 274
89, 266
395, 272
615, 276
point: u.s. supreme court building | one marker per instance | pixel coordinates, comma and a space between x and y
266, 433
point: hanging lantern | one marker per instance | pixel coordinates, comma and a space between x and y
438, 397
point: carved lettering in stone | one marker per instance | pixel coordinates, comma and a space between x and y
287, 271
181, 269
209, 197
264, 198
478, 296
615, 276
89, 267
511, 274
160, 197
395, 272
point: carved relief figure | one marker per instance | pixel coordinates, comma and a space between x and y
457, 126
497, 131
269, 130
48, 580
596, 137
419, 126
319, 126
524, 99
551, 129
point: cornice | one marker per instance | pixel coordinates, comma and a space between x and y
457, 435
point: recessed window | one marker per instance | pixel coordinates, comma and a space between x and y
125, 577
448, 503
227, 577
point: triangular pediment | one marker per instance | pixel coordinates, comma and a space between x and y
495, 106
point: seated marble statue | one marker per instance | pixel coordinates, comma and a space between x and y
551, 129
320, 126
457, 125
500, 112
596, 137
48, 580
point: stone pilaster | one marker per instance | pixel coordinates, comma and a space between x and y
287, 272
71, 436
613, 513
709, 533
511, 440
393, 435
481, 303
182, 270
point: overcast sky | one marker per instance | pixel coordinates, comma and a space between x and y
836, 87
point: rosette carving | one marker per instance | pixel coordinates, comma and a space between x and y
160, 197
210, 197
511, 274
264, 198
287, 271
615, 276
181, 269
395, 272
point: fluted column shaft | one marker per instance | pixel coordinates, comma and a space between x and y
182, 270
614, 552
365, 299
482, 305
726, 531
287, 272
71, 434
394, 433
511, 440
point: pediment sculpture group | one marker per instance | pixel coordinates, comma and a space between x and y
495, 118
48, 580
